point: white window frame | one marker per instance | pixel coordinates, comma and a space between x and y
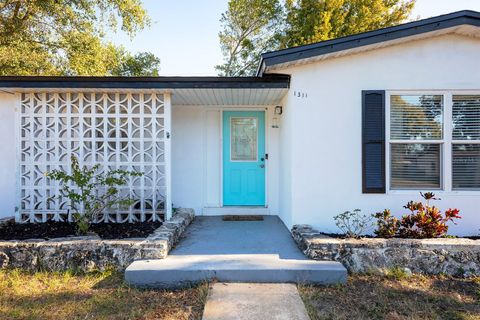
446, 155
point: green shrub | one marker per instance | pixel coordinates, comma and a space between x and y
91, 193
352, 223
423, 221
387, 225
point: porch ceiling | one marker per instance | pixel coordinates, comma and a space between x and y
228, 96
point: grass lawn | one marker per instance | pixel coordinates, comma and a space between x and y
92, 296
395, 297
105, 296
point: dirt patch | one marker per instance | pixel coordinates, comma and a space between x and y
52, 229
373, 297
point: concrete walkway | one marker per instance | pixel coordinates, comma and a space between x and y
254, 301
234, 251
213, 236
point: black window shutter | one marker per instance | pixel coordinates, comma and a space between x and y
373, 141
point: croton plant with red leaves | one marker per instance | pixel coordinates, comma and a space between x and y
424, 220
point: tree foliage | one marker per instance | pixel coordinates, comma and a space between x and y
141, 64
250, 27
65, 37
313, 20
298, 22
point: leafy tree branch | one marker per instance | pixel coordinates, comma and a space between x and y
251, 27
67, 37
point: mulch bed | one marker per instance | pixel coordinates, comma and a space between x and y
343, 236
52, 229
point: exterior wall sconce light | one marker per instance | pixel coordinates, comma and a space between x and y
277, 111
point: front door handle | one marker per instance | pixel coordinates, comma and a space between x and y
262, 166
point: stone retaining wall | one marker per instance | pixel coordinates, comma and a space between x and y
457, 257
90, 253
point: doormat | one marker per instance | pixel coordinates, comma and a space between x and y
242, 218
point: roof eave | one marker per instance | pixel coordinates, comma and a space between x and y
261, 67
369, 38
272, 82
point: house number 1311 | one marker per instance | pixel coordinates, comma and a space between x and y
299, 94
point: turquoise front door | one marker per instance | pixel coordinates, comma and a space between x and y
243, 158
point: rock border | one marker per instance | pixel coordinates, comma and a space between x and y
449, 256
92, 253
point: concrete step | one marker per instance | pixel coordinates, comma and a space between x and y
177, 271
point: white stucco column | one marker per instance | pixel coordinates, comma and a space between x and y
8, 149
168, 155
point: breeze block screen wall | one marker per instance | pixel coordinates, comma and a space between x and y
116, 130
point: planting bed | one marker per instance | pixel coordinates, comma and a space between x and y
91, 252
51, 229
450, 256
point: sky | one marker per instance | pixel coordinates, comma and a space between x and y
184, 33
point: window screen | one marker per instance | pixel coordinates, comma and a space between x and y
416, 117
466, 142
466, 117
416, 131
466, 166
415, 166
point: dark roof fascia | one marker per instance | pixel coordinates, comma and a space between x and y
276, 81
465, 17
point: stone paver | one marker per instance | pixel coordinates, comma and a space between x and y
251, 301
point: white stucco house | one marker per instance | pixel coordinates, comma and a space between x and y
365, 121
